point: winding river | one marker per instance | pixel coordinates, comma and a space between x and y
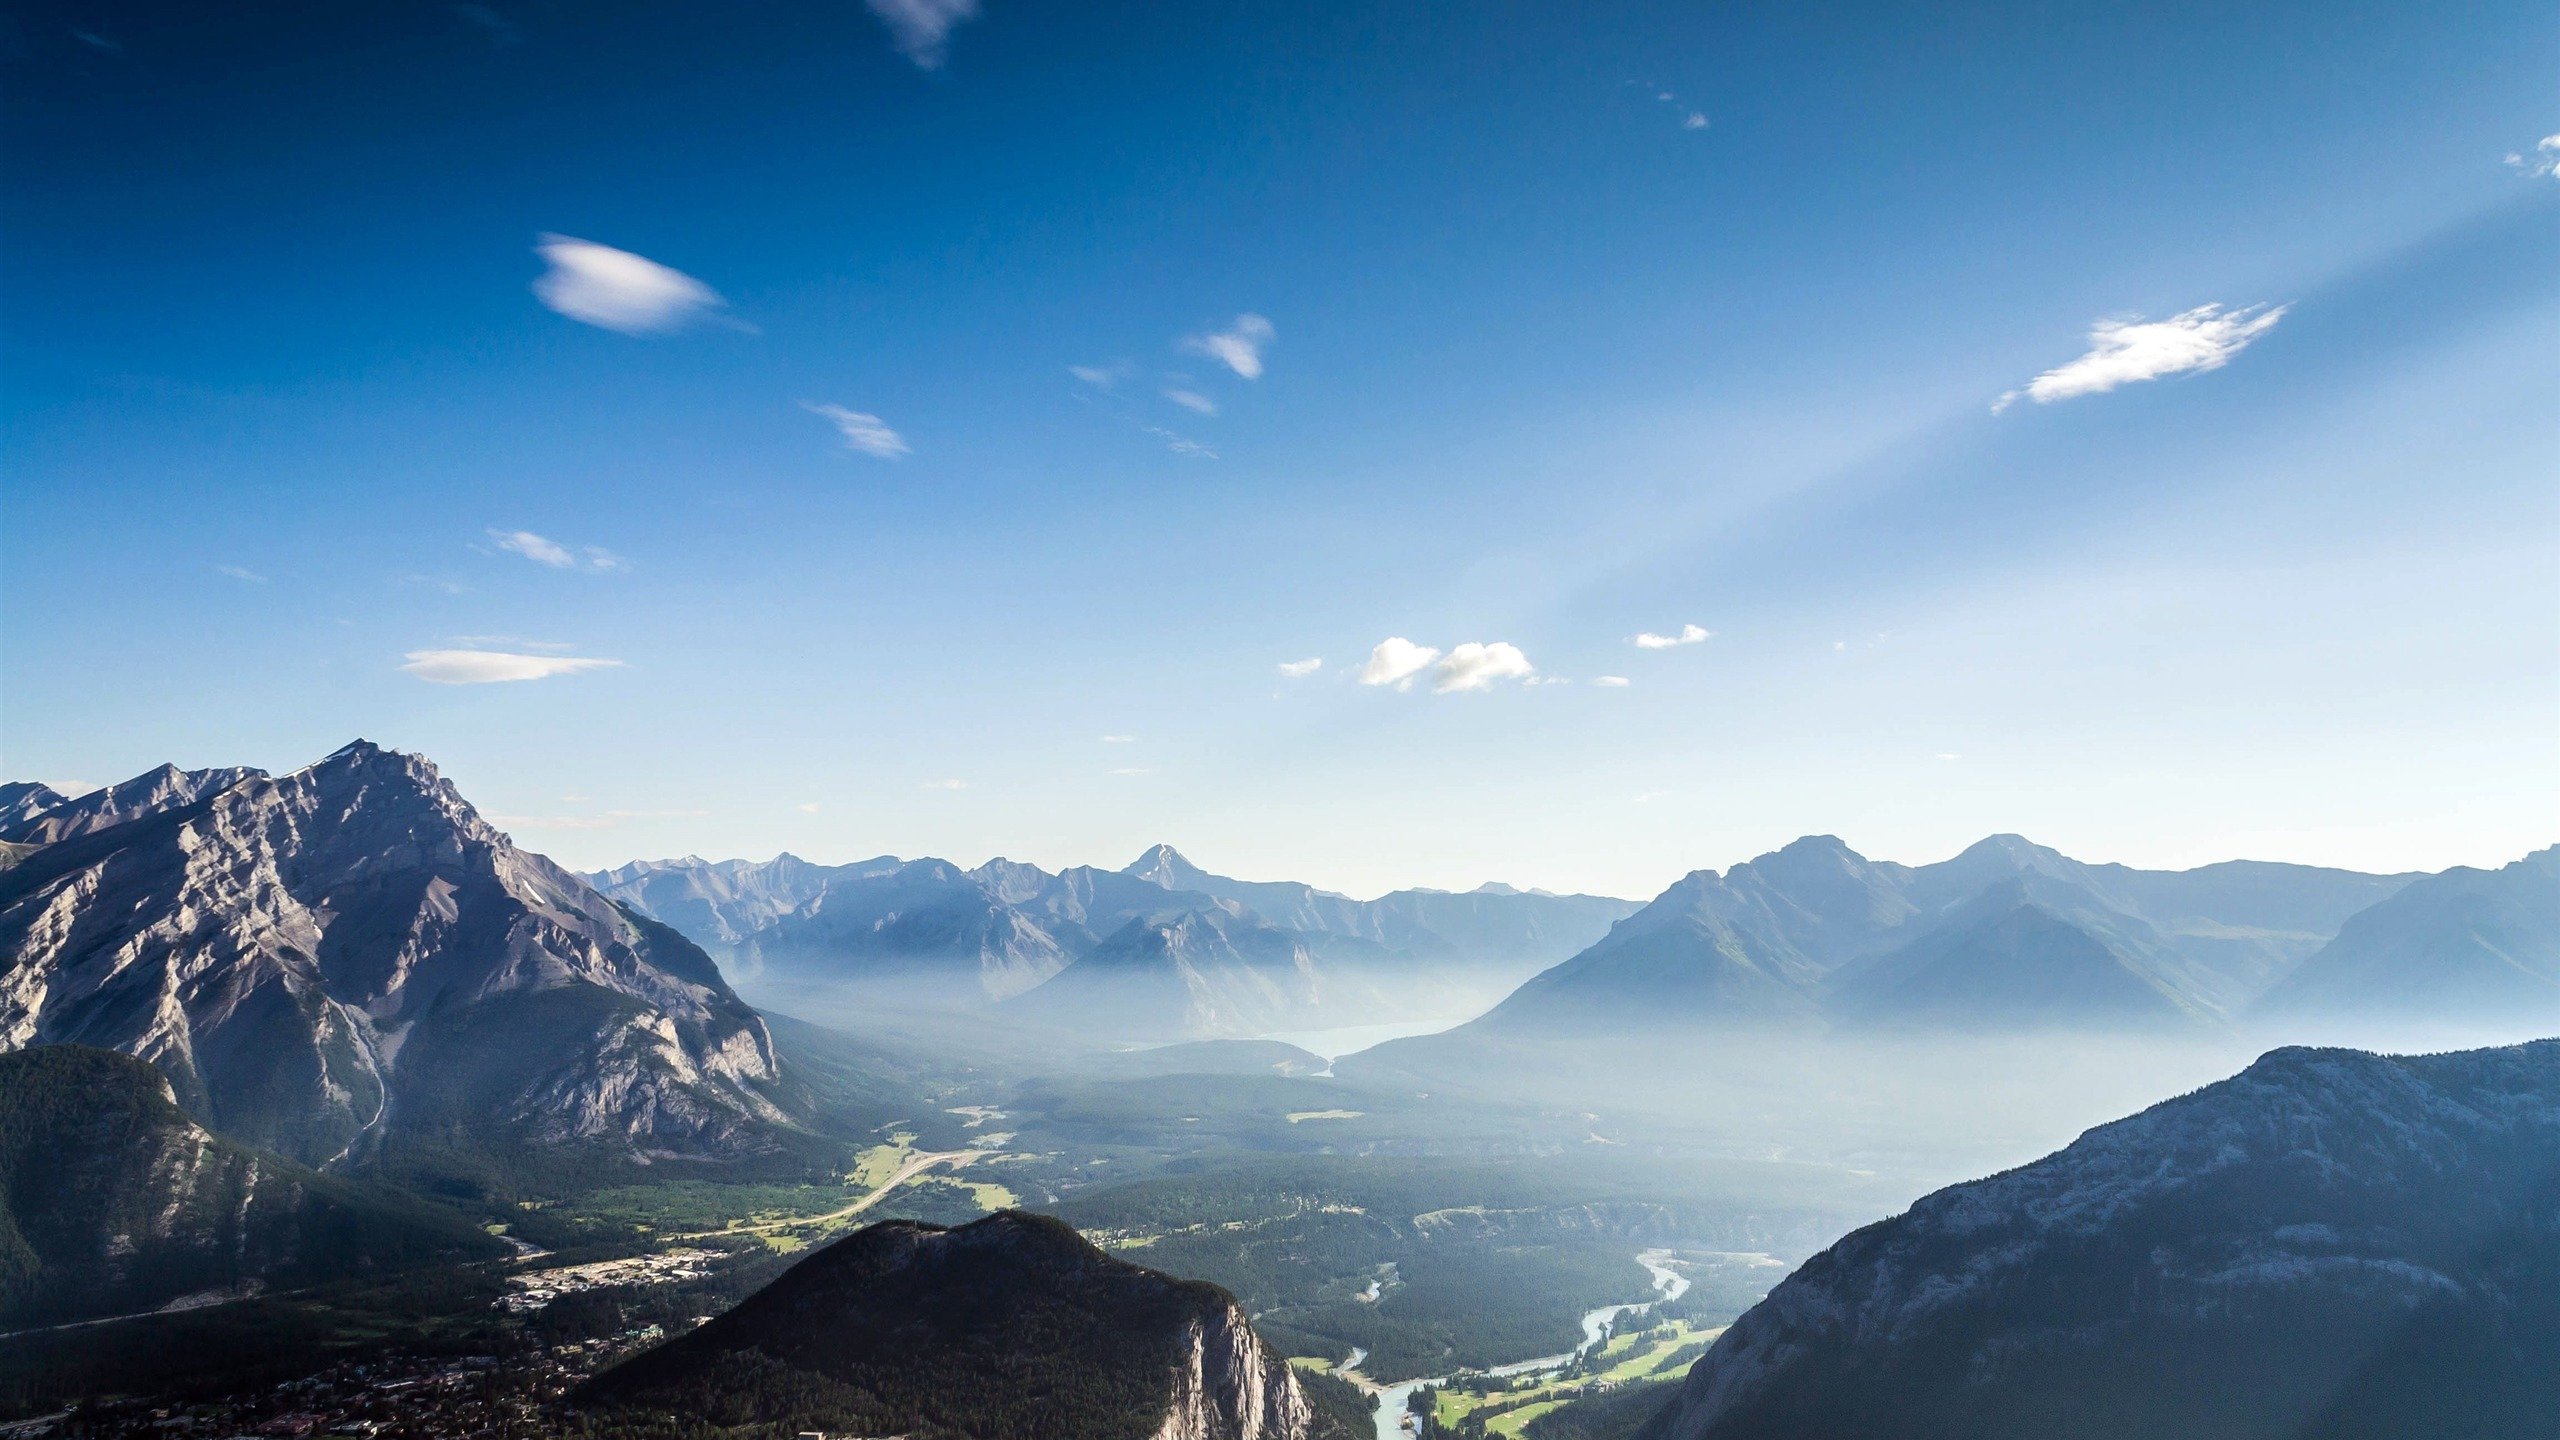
1668, 1284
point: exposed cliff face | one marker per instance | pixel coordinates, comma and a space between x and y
113, 1201
1014, 1325
2331, 1244
323, 960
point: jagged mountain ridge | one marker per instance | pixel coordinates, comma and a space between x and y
1012, 1325
349, 954
2332, 1244
929, 932
113, 1201
1815, 932
2466, 945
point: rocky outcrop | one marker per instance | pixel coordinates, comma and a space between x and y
2331, 1244
325, 960
1014, 1325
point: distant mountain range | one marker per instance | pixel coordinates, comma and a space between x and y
112, 1201
348, 957
1012, 1326
1158, 950
2011, 935
2332, 1246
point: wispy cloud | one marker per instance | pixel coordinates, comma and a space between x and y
1133, 770
492, 667
864, 432
1396, 661
1181, 444
2544, 161
1119, 739
1191, 400
921, 29
1611, 682
1475, 666
946, 785
608, 820
241, 572
1301, 669
104, 45
1949, 755
617, 290
501, 31
1239, 347
807, 808
542, 551
2127, 350
1104, 377
1688, 635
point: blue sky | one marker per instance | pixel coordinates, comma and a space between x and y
349, 352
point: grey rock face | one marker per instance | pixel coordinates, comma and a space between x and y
321, 959
2333, 1243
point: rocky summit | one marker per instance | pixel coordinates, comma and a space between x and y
349, 956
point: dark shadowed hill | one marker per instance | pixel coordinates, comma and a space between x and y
113, 1201
1011, 1328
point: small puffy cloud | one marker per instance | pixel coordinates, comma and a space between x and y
1133, 770
1695, 120
1119, 739
810, 808
2124, 351
617, 290
1238, 347
492, 667
2544, 162
1191, 400
946, 785
1396, 661
1949, 755
1474, 666
921, 29
241, 573
862, 432
1611, 682
1689, 635
1301, 669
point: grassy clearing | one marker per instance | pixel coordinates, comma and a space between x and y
1509, 1423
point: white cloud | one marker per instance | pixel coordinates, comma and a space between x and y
1612, 682
2543, 162
1395, 662
1238, 347
1648, 797
1119, 739
1301, 669
1949, 755
543, 551
1133, 770
946, 785
1689, 635
1695, 121
617, 290
2124, 351
534, 548
1191, 400
1474, 666
811, 808
862, 432
241, 572
922, 28
490, 667
1103, 377
1181, 444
